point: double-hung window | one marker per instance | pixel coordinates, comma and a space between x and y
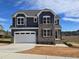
57, 22
35, 20
20, 20
46, 20
47, 32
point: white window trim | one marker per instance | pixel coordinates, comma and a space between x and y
46, 28
46, 19
26, 28
35, 19
46, 32
20, 21
56, 22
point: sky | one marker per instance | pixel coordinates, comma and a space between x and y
68, 10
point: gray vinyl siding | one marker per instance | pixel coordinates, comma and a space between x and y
46, 14
46, 40
13, 22
20, 15
30, 22
20, 25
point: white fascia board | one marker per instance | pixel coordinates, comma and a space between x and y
26, 28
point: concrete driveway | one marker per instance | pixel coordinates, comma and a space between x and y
15, 47
7, 52
21, 47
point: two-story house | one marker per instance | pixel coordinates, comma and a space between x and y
36, 26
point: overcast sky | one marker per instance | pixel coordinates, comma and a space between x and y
68, 10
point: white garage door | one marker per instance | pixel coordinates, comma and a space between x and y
25, 37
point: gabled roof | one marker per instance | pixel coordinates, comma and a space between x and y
34, 12
29, 12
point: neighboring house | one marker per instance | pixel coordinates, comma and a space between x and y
36, 26
2, 32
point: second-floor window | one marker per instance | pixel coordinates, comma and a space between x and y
46, 20
57, 22
20, 20
35, 20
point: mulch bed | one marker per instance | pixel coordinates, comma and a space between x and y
53, 51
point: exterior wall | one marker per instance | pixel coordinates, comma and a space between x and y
47, 40
58, 33
14, 30
29, 22
15, 21
59, 36
46, 14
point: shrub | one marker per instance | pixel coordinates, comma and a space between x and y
68, 44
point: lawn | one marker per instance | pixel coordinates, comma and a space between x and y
74, 39
53, 51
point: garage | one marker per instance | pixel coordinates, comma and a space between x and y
25, 37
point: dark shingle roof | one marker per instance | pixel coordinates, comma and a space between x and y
33, 12
30, 12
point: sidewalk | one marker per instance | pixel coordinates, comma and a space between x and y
29, 56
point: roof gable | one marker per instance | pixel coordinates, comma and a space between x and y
32, 12
28, 12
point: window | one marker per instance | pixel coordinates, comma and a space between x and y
56, 22
46, 19
35, 20
27, 33
16, 33
56, 34
32, 33
20, 20
47, 32
22, 33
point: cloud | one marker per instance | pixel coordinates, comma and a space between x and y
25, 2
59, 6
2, 20
71, 19
5, 23
70, 8
19, 2
72, 14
